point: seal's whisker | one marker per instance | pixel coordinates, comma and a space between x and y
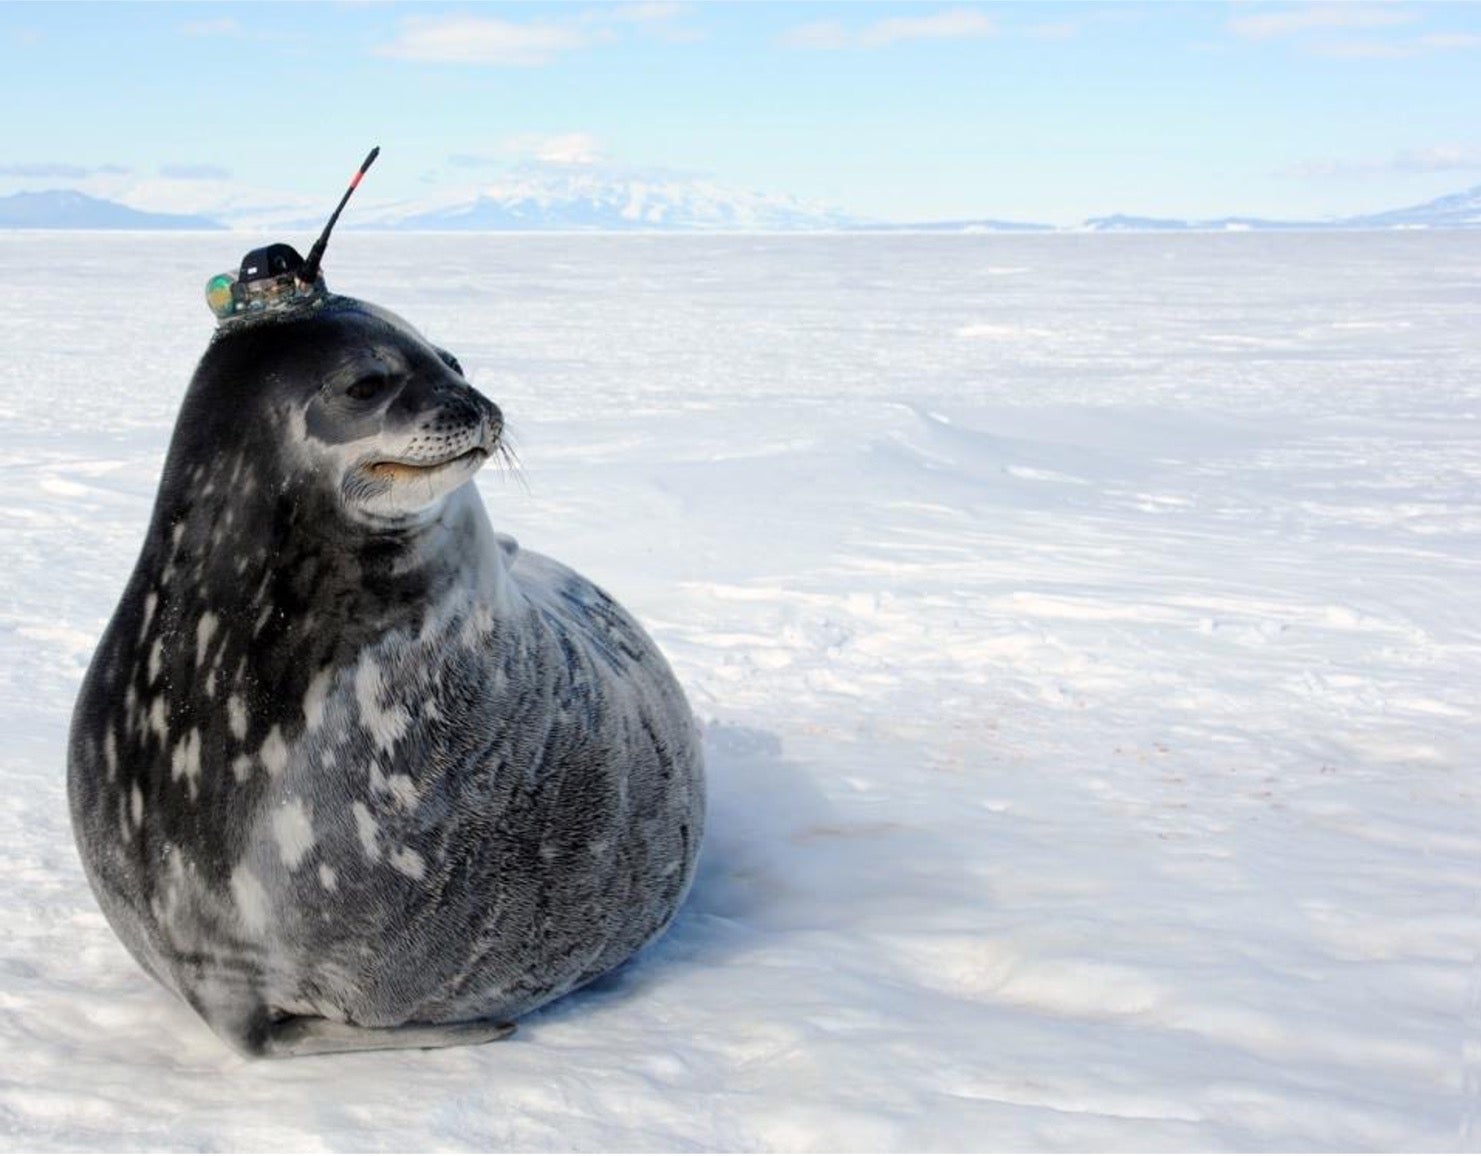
509, 463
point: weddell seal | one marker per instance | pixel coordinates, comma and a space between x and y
349, 770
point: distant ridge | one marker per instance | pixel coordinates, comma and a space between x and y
606, 200
68, 209
983, 225
591, 199
1121, 223
1456, 211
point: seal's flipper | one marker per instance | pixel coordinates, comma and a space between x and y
312, 1036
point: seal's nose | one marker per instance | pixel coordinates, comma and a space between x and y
493, 424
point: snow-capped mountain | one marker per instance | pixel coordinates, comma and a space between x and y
1122, 223
592, 198
241, 207
69, 209
974, 225
1456, 211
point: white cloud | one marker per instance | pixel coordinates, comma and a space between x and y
645, 12
652, 19
220, 26
1397, 49
1362, 50
194, 172
1444, 40
951, 24
486, 40
818, 34
1436, 159
948, 24
491, 40
59, 170
572, 148
1326, 17
1064, 30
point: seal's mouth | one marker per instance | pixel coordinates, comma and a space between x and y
406, 471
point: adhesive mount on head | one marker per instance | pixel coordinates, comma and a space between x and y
275, 279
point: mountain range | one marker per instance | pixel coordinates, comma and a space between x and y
590, 199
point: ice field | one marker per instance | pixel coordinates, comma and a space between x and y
1087, 634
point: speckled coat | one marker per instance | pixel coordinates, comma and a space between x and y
381, 778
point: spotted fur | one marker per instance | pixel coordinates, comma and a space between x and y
348, 770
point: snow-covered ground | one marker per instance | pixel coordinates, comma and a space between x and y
1088, 635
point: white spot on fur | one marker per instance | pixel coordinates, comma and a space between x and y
136, 804
385, 724
408, 862
204, 629
294, 832
236, 717
251, 900
177, 533
315, 697
368, 830
274, 753
328, 877
159, 715
110, 753
185, 763
241, 768
404, 789
262, 618
151, 601
156, 658
478, 626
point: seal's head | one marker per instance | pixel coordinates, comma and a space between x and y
350, 402
359, 406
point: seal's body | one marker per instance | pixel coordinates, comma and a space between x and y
348, 770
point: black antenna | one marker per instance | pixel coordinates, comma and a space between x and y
309, 271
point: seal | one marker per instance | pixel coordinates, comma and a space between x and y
348, 770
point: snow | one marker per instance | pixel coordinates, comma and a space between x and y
1086, 633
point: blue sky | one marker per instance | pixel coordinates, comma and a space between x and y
1047, 112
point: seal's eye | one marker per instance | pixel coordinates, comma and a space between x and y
369, 386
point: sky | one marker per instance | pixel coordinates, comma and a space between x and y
1038, 112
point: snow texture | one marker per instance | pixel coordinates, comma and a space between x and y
1086, 633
